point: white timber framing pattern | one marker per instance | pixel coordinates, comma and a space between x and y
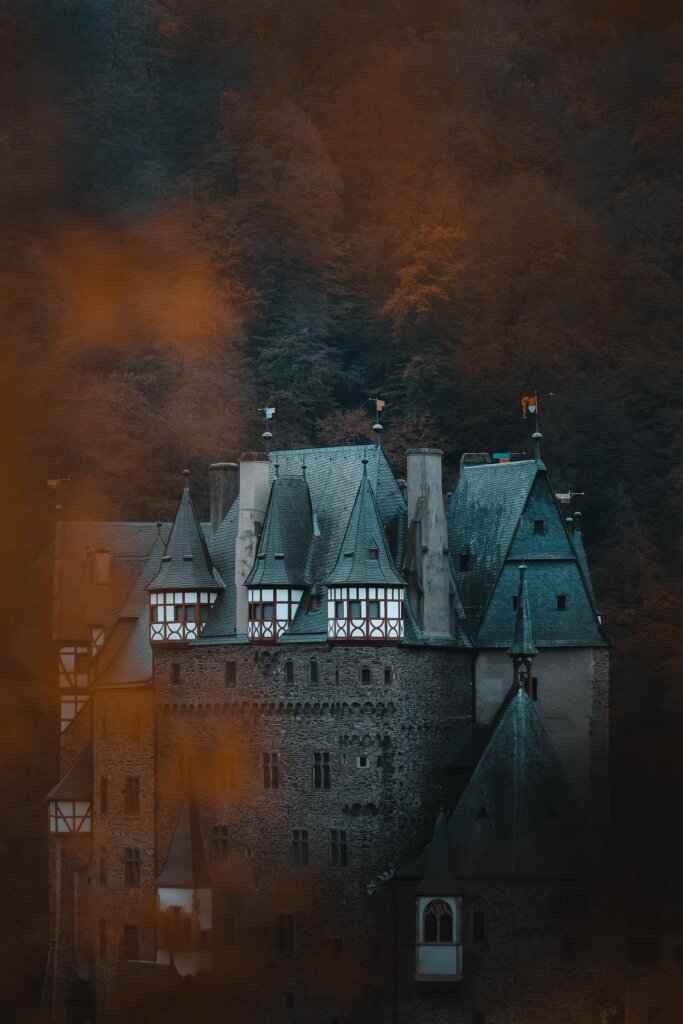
178, 615
365, 613
69, 816
74, 666
271, 611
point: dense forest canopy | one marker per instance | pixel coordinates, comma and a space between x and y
207, 206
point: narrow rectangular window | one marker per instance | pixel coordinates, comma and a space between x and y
354, 609
336, 677
388, 678
464, 562
219, 842
338, 848
514, 603
230, 673
373, 609
175, 673
539, 527
102, 938
313, 671
339, 611
289, 671
271, 771
131, 795
313, 603
103, 865
131, 866
130, 946
561, 602
300, 847
285, 932
104, 794
366, 674
321, 770
534, 688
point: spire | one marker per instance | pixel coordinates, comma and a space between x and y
377, 425
185, 866
364, 557
439, 877
523, 643
283, 551
186, 563
536, 438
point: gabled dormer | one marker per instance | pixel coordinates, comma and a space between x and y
438, 941
365, 589
281, 570
184, 590
184, 906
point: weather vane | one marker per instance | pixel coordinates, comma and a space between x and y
377, 426
267, 435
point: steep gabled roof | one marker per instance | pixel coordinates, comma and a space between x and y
126, 656
365, 533
577, 541
482, 515
79, 602
185, 865
285, 547
77, 783
439, 874
518, 817
186, 563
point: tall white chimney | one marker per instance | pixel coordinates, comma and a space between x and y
254, 491
429, 577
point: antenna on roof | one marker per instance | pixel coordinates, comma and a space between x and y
268, 413
377, 426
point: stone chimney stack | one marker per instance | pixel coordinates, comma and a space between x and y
254, 488
224, 482
429, 583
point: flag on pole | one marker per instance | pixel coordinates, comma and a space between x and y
379, 403
529, 405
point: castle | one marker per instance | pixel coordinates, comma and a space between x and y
339, 755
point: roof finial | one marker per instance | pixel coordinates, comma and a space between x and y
186, 481
364, 460
268, 413
277, 470
536, 437
303, 470
377, 426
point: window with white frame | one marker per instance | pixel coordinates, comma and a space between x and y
179, 615
271, 611
365, 613
70, 816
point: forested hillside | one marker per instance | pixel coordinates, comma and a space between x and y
208, 206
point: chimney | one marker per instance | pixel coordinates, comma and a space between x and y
429, 587
254, 489
102, 567
224, 484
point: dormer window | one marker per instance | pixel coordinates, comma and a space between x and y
70, 816
539, 527
561, 602
373, 554
464, 561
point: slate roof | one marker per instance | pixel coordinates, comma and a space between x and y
126, 656
286, 546
78, 602
364, 533
439, 874
77, 783
186, 563
523, 641
577, 541
483, 513
185, 865
492, 513
518, 817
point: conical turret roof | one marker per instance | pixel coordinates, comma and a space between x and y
523, 641
185, 866
283, 557
365, 534
186, 563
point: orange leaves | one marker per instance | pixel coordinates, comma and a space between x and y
149, 284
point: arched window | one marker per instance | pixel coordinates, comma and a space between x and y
478, 921
438, 922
